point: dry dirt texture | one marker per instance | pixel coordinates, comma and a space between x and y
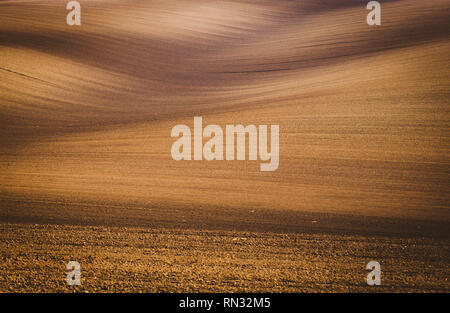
166, 260
86, 172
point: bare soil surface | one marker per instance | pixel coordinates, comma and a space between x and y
86, 172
